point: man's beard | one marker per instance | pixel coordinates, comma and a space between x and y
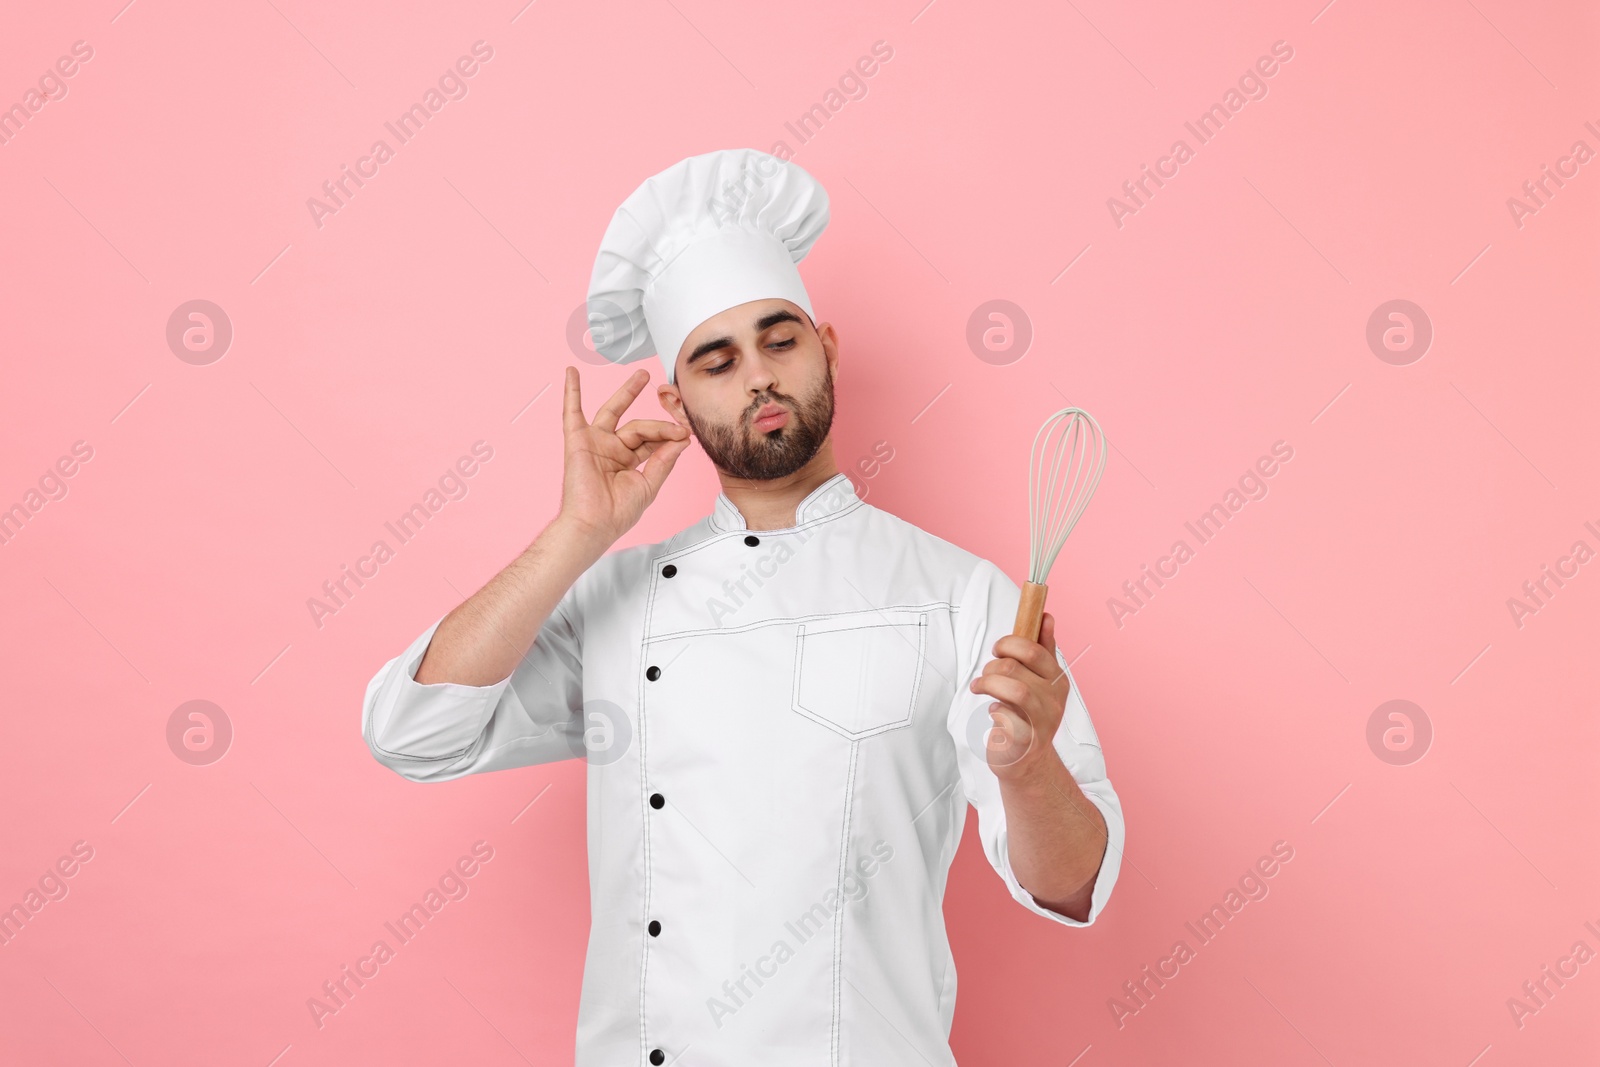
742, 451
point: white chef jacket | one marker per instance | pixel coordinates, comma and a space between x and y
781, 748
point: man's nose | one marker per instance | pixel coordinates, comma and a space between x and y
762, 377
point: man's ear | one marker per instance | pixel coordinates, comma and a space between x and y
830, 347
672, 402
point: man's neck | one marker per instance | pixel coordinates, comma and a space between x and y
771, 505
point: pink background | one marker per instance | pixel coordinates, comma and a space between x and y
1228, 313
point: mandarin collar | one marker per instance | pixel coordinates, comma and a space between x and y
830, 498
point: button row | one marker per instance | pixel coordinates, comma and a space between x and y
672, 568
657, 801
656, 1055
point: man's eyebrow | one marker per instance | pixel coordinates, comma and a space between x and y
765, 322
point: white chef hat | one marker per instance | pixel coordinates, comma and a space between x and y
709, 233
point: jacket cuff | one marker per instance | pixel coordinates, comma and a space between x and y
406, 720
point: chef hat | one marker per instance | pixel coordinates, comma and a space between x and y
709, 233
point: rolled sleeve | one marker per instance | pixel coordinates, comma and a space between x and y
443, 730
987, 613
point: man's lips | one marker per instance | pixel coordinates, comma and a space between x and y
771, 417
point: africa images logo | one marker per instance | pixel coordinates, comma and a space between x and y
1252, 485
737, 992
452, 885
1253, 885
1252, 85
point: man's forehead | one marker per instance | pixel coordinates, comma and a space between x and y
753, 315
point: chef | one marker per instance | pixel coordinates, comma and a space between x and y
786, 707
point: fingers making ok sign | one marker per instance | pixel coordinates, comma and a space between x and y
603, 486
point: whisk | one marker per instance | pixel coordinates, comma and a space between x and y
1056, 499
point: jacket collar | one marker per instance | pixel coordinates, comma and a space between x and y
832, 497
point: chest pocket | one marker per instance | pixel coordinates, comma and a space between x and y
858, 673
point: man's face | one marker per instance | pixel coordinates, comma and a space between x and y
754, 360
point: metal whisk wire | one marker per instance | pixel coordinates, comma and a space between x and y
1081, 445
1058, 493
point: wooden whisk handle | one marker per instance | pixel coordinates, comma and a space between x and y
1030, 611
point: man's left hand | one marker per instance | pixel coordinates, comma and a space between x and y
1030, 690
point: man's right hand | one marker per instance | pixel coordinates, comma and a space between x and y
602, 489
